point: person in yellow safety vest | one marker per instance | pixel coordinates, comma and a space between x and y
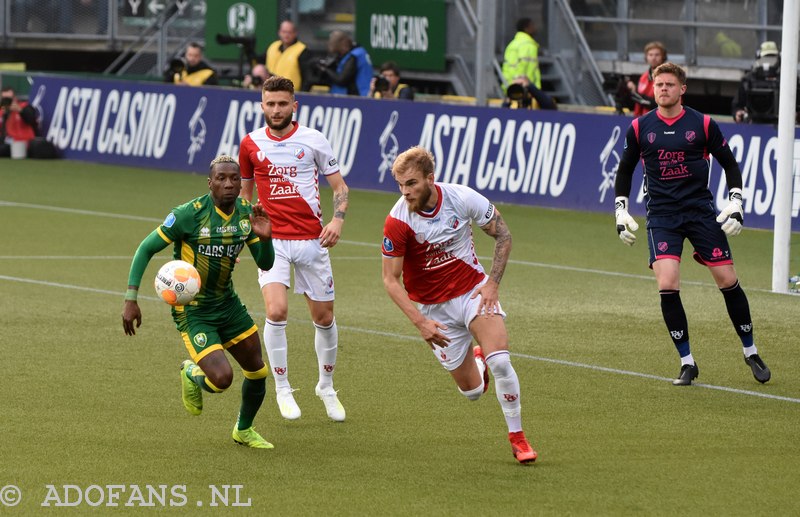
521, 58
193, 70
387, 84
287, 57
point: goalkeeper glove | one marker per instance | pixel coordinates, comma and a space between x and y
732, 216
624, 221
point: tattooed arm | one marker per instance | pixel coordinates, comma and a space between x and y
497, 229
333, 230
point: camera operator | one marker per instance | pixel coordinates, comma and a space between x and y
521, 93
348, 69
193, 70
18, 121
757, 97
387, 84
255, 79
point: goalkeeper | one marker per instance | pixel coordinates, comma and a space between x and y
673, 143
209, 232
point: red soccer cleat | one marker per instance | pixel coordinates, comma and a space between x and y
478, 352
521, 448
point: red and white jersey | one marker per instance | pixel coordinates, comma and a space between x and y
439, 260
286, 171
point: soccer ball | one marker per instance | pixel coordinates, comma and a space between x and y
177, 282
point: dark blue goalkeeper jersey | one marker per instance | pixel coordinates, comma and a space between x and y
675, 158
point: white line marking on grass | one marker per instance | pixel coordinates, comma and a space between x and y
79, 211
69, 286
374, 245
416, 338
655, 377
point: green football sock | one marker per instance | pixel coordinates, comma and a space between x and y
253, 391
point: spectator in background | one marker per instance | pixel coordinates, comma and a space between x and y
521, 58
641, 94
256, 77
387, 84
728, 48
288, 57
192, 70
350, 72
18, 121
521, 70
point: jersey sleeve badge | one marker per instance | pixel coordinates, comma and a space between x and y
169, 221
388, 245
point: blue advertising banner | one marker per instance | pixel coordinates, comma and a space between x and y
541, 158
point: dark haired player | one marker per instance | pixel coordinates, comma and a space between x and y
283, 161
209, 232
674, 143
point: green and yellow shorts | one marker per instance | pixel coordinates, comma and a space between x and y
205, 330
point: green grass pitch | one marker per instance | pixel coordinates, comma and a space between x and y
82, 404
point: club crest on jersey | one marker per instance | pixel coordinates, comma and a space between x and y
651, 137
244, 224
419, 237
299, 153
662, 247
200, 340
388, 245
169, 221
453, 222
690, 136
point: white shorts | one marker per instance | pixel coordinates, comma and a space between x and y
313, 275
457, 314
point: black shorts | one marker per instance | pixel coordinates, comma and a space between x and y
666, 233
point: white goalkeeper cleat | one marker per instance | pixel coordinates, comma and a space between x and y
289, 408
333, 407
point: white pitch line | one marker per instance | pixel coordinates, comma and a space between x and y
375, 245
78, 211
417, 338
656, 377
69, 286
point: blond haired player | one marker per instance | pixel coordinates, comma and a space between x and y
427, 241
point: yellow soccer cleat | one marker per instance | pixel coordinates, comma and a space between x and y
250, 438
191, 393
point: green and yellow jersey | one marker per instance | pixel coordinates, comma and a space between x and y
207, 238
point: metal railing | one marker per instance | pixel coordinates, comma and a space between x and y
149, 52
573, 57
